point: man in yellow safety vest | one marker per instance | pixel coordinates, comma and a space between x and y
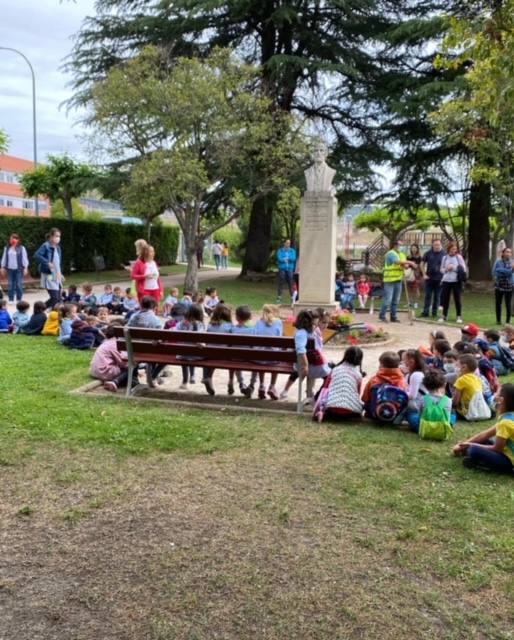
395, 263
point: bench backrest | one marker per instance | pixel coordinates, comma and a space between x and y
205, 345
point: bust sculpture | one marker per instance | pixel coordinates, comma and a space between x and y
319, 177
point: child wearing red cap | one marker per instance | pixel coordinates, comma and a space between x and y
469, 332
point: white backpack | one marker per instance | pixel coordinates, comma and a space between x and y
478, 408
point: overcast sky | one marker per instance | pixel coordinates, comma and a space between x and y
42, 30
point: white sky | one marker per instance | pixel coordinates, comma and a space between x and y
42, 30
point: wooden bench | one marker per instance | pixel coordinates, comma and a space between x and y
212, 350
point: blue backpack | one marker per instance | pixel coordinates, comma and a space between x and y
387, 403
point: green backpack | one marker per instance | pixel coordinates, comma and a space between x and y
434, 423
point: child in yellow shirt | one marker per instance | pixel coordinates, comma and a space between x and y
52, 324
493, 448
468, 400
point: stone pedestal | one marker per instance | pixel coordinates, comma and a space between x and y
317, 251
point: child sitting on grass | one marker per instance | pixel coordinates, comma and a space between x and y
146, 317
340, 396
434, 384
21, 317
5, 317
493, 449
493, 352
68, 315
105, 300
51, 327
468, 400
85, 334
130, 303
108, 364
37, 320
117, 301
389, 373
210, 300
88, 300
73, 296
170, 300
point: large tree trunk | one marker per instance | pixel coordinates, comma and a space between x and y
68, 207
258, 241
191, 279
479, 231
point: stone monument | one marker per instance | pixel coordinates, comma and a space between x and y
317, 262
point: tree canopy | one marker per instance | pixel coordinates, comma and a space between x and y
4, 142
204, 137
60, 179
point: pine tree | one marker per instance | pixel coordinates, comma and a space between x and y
357, 68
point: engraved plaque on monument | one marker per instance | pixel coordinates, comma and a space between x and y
318, 236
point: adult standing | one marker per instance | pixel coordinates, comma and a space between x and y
199, 252
146, 275
49, 259
431, 267
15, 265
217, 250
395, 263
224, 256
502, 274
286, 262
454, 272
416, 275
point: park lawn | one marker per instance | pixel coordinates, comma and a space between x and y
236, 291
134, 521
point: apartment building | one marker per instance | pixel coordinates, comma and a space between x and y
12, 200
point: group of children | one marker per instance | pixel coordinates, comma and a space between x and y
348, 291
428, 389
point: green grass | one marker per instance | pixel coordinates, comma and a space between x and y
476, 307
237, 292
317, 531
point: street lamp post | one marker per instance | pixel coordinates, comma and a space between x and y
36, 204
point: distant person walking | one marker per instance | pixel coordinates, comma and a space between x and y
431, 267
286, 263
224, 256
14, 265
502, 274
395, 263
217, 250
49, 259
454, 272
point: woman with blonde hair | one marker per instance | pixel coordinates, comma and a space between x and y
146, 275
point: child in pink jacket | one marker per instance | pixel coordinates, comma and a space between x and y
108, 364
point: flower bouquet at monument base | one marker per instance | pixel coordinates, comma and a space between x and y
340, 320
357, 333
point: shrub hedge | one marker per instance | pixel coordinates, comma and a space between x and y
83, 239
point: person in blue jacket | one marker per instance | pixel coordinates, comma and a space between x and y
502, 274
48, 258
286, 262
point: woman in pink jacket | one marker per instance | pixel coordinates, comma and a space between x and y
108, 364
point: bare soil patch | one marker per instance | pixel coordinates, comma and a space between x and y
232, 545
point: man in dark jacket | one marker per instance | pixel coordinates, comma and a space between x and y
431, 267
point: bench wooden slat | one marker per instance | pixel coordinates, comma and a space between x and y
152, 358
212, 352
171, 335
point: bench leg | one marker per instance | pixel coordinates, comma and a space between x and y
299, 405
149, 379
129, 381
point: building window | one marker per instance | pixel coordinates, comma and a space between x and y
9, 203
43, 206
2, 202
28, 204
